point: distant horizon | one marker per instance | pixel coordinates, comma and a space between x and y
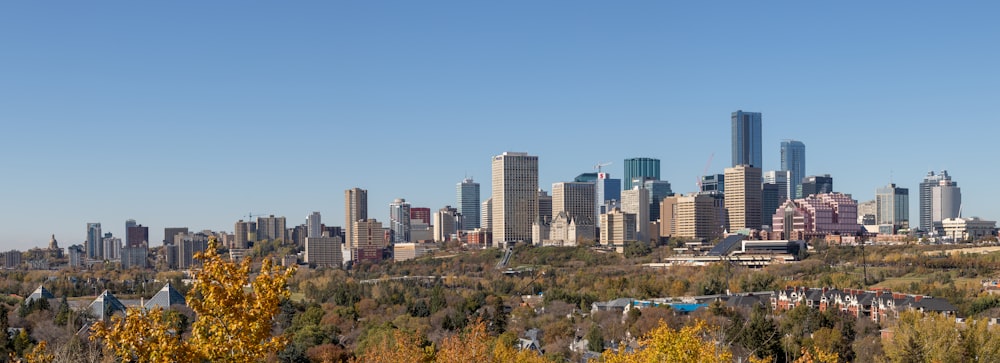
192, 114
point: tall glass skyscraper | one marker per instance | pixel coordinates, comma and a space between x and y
468, 203
893, 206
637, 168
95, 241
793, 160
399, 218
746, 139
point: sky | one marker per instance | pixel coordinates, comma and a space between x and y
195, 114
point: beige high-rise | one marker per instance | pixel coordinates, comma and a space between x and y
691, 216
355, 209
743, 197
617, 227
515, 196
636, 201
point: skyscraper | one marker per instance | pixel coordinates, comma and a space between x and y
399, 220
170, 232
793, 160
468, 203
816, 184
636, 168
515, 196
893, 206
713, 183
946, 200
927, 186
636, 201
355, 209
314, 225
577, 200
743, 197
781, 178
658, 189
770, 200
271, 228
95, 241
746, 139
136, 234
486, 216
447, 221
544, 205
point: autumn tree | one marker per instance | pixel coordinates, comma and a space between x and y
691, 343
232, 324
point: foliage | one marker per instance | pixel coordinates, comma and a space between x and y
663, 344
232, 324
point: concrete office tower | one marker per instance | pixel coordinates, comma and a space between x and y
515, 196
692, 216
793, 160
746, 139
658, 189
576, 199
893, 206
770, 200
369, 241
95, 242
170, 232
271, 228
419, 215
112, 247
447, 221
640, 168
324, 251
486, 217
946, 200
636, 201
314, 225
866, 213
355, 209
713, 183
816, 184
468, 203
617, 227
783, 179
544, 206
743, 197
609, 193
136, 234
927, 198
399, 220
188, 244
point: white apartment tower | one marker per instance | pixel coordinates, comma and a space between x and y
314, 225
515, 196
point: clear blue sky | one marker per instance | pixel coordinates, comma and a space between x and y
193, 114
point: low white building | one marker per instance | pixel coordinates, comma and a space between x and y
966, 228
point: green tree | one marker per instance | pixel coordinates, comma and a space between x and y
595, 339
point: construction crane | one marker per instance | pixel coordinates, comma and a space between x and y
250, 215
704, 171
601, 165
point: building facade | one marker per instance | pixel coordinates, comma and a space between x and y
696, 216
271, 228
314, 225
609, 193
447, 222
743, 197
399, 220
793, 160
747, 139
95, 248
818, 214
893, 206
486, 217
816, 184
927, 198
576, 199
946, 201
324, 251
468, 203
636, 201
515, 196
617, 227
369, 241
355, 209
637, 168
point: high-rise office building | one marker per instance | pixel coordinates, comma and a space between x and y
746, 139
486, 217
544, 206
399, 220
420, 215
576, 200
927, 198
636, 201
271, 228
770, 200
713, 183
586, 177
515, 196
468, 203
112, 247
355, 209
793, 160
447, 221
783, 179
743, 197
636, 168
617, 227
188, 244
170, 232
893, 206
136, 234
324, 251
816, 184
609, 193
658, 189
314, 225
946, 200
696, 215
95, 241
369, 241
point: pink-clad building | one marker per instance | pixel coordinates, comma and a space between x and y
820, 214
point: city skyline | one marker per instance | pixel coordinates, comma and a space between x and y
110, 118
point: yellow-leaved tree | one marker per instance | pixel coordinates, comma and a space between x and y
663, 344
232, 324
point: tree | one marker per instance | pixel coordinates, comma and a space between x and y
231, 324
664, 344
595, 339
